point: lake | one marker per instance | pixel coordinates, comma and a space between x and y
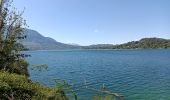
137, 74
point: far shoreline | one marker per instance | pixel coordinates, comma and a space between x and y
100, 49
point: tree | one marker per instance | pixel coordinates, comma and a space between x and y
11, 32
14, 86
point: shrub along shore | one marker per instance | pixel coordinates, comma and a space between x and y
19, 87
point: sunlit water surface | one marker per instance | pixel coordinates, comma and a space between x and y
137, 74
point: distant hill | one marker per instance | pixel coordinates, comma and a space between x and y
36, 41
99, 46
143, 43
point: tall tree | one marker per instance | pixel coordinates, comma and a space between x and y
11, 31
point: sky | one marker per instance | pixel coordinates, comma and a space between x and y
87, 22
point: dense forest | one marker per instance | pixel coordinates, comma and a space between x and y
150, 43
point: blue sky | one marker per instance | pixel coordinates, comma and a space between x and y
88, 22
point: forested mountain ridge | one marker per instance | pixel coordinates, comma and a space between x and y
141, 44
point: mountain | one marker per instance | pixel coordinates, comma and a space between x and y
146, 43
143, 43
36, 41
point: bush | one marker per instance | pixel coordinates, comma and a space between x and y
19, 67
19, 87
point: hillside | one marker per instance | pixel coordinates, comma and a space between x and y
143, 43
146, 43
36, 41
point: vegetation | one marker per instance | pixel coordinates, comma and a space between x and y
141, 44
14, 77
107, 97
19, 87
36, 41
14, 81
11, 31
61, 84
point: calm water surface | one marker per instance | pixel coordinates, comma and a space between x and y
137, 74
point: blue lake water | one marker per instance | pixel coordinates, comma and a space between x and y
137, 74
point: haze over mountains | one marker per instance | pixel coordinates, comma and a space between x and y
36, 41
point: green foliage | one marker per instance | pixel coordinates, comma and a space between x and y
21, 88
40, 67
18, 86
19, 67
108, 97
63, 85
146, 43
11, 31
143, 43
